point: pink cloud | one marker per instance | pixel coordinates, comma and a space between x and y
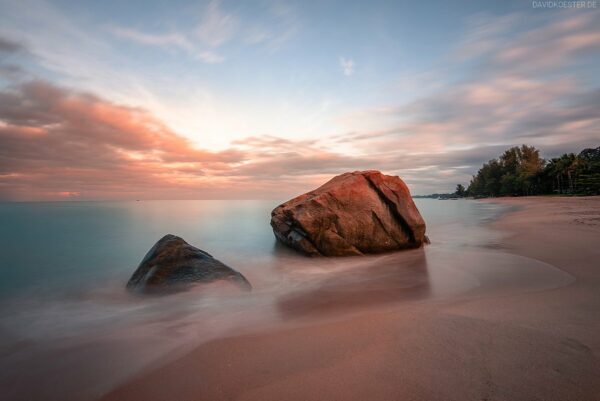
57, 143
61, 144
54, 142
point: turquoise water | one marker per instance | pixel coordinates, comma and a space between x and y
73, 246
65, 316
64, 246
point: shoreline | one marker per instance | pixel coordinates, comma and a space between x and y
531, 345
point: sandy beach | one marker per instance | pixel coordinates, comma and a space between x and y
524, 345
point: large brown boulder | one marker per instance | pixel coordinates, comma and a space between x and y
352, 214
172, 263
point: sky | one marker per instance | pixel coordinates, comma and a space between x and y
269, 99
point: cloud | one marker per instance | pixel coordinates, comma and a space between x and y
276, 158
257, 34
552, 46
522, 43
347, 66
9, 46
57, 143
485, 33
284, 22
215, 27
514, 88
210, 57
167, 39
276, 23
529, 82
53, 140
10, 51
11, 72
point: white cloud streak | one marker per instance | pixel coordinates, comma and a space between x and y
168, 40
215, 27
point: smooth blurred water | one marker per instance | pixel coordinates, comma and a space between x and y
64, 266
72, 246
57, 247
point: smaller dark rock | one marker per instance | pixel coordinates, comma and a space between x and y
172, 261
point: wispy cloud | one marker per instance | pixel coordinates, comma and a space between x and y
531, 85
347, 66
209, 57
216, 27
257, 34
9, 46
168, 41
284, 22
513, 79
10, 52
58, 143
154, 39
552, 46
53, 140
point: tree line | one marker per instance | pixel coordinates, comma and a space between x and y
520, 171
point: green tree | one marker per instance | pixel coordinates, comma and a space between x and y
521, 171
518, 171
528, 170
509, 164
460, 190
561, 170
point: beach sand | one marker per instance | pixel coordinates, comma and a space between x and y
535, 345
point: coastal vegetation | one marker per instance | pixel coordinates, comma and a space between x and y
520, 171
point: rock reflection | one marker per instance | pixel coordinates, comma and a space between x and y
380, 280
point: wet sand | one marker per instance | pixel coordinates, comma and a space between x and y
535, 344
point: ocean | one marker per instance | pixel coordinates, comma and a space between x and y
70, 247
68, 324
